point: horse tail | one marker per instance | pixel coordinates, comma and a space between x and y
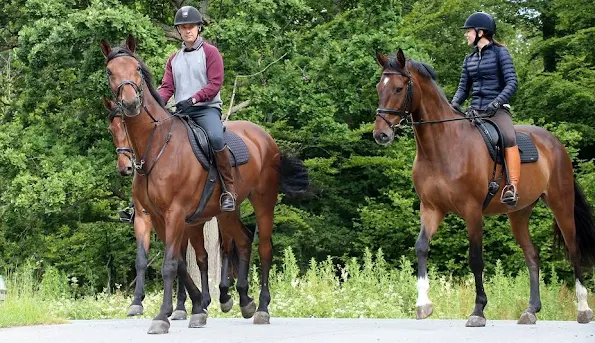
294, 180
584, 228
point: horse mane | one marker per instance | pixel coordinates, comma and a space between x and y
423, 69
120, 51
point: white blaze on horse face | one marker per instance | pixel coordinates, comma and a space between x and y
423, 286
385, 81
581, 294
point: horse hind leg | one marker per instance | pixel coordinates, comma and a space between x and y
242, 237
574, 222
475, 232
264, 207
519, 222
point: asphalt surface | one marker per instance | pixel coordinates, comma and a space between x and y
303, 330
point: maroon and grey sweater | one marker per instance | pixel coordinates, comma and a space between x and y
197, 73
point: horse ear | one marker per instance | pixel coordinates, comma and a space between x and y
106, 49
108, 103
131, 43
381, 59
401, 58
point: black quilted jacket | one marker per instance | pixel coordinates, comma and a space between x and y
489, 75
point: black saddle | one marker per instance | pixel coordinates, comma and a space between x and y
492, 137
203, 151
495, 144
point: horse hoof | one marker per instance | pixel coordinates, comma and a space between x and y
198, 320
424, 311
226, 307
262, 317
248, 310
158, 327
585, 317
135, 310
476, 322
527, 318
179, 315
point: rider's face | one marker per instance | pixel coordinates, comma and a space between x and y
188, 32
470, 35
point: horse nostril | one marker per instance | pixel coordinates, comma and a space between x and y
383, 136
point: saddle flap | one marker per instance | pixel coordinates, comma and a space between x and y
202, 150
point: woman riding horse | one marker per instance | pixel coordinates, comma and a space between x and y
488, 72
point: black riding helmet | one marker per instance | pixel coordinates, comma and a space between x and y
188, 15
480, 21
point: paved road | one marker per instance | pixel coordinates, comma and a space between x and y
303, 330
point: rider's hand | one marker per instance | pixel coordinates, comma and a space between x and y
184, 105
493, 107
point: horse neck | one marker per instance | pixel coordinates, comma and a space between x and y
435, 141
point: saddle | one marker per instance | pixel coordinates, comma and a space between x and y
204, 153
494, 141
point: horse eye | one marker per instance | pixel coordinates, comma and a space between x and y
398, 89
138, 68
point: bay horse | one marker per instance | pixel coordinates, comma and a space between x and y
142, 229
451, 171
170, 181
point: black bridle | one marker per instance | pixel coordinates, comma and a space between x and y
139, 95
126, 151
404, 113
407, 116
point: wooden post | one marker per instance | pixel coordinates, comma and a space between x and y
211, 232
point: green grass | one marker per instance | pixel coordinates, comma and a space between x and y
366, 288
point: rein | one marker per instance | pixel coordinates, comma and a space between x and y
407, 116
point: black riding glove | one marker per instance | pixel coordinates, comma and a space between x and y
183, 105
457, 107
493, 107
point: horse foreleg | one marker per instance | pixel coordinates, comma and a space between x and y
180, 312
430, 219
475, 231
519, 221
142, 230
173, 227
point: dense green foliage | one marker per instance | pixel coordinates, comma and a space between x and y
59, 190
363, 288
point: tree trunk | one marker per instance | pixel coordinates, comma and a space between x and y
211, 232
548, 31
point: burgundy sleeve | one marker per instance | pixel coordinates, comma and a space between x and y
166, 90
214, 74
